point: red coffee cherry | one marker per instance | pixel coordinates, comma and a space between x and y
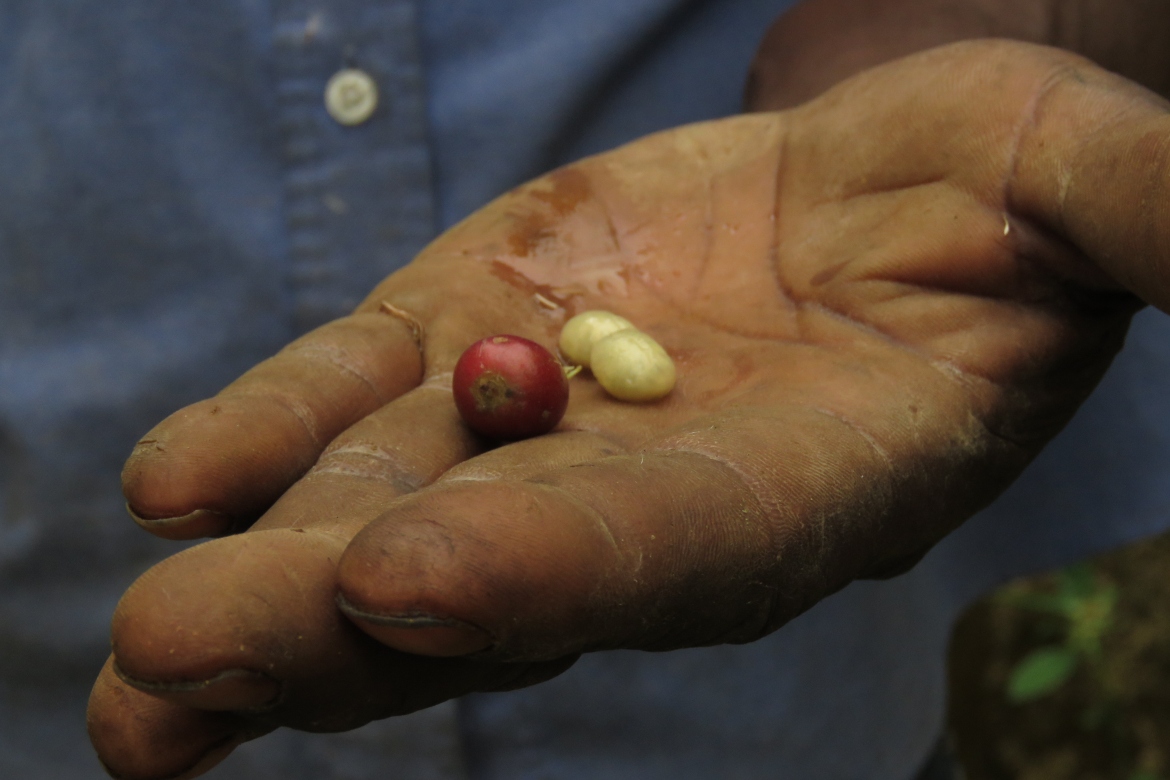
507, 387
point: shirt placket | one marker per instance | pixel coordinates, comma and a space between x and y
358, 194
359, 204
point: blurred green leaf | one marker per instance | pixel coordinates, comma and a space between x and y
1037, 602
1090, 619
1083, 598
1078, 581
1145, 776
1040, 673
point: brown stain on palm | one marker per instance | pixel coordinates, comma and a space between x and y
567, 188
528, 232
509, 275
549, 201
570, 188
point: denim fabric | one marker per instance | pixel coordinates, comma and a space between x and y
175, 204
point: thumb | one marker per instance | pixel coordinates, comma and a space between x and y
1093, 166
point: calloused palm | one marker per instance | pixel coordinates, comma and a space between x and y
881, 304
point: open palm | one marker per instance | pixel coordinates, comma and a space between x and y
881, 305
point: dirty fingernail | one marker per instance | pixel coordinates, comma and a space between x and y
419, 633
200, 524
233, 690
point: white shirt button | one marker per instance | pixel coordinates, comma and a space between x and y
351, 96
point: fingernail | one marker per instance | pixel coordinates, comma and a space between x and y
200, 524
419, 633
233, 690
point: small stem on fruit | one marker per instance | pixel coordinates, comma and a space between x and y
572, 371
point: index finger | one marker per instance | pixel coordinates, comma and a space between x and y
213, 467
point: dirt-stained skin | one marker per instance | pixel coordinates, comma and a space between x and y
881, 305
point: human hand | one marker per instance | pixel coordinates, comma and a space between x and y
882, 305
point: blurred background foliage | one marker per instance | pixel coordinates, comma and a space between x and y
1066, 676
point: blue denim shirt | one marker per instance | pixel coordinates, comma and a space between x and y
176, 204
